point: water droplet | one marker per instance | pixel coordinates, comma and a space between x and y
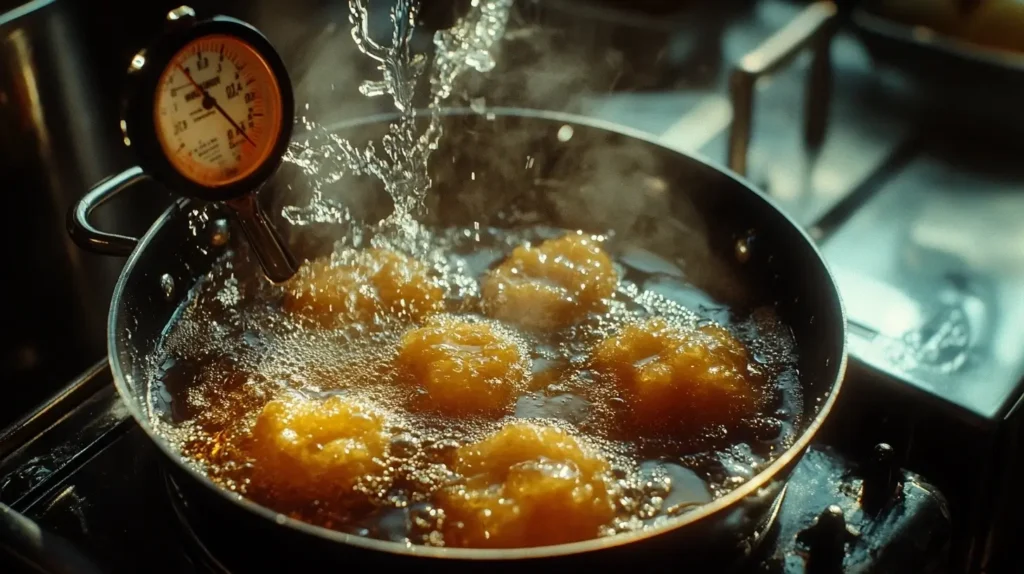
167, 285
220, 233
743, 247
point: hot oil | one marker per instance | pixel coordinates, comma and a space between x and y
224, 358
232, 348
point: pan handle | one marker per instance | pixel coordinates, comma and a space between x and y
82, 231
812, 29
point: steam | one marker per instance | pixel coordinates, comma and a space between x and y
473, 169
399, 158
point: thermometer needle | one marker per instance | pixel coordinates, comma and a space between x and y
208, 98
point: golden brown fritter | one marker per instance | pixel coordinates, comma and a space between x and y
551, 285
311, 449
675, 378
360, 285
526, 485
462, 367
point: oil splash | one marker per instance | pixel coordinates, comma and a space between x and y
402, 163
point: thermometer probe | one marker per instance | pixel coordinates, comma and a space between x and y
210, 117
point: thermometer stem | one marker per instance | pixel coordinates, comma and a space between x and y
271, 251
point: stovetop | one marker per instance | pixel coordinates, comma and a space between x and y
94, 479
916, 201
914, 196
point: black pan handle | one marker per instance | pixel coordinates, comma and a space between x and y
85, 234
812, 29
21, 539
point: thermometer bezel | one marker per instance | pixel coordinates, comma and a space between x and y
138, 121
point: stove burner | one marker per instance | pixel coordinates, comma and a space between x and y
881, 479
827, 539
843, 517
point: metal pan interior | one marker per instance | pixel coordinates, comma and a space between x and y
583, 174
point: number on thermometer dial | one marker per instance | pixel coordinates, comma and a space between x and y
218, 110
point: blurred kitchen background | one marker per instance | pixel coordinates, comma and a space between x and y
898, 148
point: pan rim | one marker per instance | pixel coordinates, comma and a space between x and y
747, 489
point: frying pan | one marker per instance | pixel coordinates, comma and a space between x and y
579, 173
933, 56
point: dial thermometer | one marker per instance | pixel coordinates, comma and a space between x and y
210, 117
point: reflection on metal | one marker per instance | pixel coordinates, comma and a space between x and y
940, 345
944, 237
893, 312
909, 335
29, 98
74, 504
42, 454
181, 12
23, 10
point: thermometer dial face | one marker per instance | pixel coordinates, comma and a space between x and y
218, 110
